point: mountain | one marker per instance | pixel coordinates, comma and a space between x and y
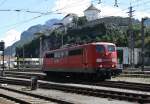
28, 35
50, 22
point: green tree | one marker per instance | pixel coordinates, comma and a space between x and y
81, 21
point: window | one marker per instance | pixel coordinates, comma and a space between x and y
62, 54
100, 48
75, 52
49, 55
111, 48
65, 53
57, 54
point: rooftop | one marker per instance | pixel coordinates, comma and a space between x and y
91, 7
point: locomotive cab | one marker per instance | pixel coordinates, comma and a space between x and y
106, 59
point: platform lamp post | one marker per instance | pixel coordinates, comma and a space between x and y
40, 34
2, 47
143, 42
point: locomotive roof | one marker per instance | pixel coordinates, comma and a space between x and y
103, 43
79, 46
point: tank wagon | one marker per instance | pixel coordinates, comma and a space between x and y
96, 60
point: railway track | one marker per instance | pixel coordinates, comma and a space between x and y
135, 74
89, 91
113, 84
24, 69
136, 71
121, 85
23, 97
23, 74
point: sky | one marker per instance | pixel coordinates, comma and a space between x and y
17, 16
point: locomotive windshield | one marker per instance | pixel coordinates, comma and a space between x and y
111, 48
100, 48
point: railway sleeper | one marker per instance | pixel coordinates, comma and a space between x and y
102, 93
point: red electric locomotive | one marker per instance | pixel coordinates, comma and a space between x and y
97, 60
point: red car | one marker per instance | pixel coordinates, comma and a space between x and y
98, 60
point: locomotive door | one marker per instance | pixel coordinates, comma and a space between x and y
84, 58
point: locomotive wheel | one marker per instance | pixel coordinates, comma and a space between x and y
108, 75
100, 77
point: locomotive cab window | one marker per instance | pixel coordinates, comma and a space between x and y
111, 48
100, 48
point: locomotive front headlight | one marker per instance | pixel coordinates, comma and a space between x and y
100, 66
112, 65
114, 59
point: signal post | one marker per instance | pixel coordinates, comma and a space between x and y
2, 47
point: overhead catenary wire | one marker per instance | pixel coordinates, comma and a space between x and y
145, 9
137, 4
55, 11
41, 15
140, 3
38, 12
21, 10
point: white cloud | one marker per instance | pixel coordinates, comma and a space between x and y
71, 6
116, 11
111, 11
78, 6
140, 15
11, 36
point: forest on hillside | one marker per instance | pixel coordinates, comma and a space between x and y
100, 32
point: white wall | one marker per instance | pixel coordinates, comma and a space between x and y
92, 15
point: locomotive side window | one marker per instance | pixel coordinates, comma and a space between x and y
57, 54
62, 54
49, 55
111, 48
100, 48
75, 52
65, 53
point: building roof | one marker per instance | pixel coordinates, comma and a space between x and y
91, 7
71, 14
